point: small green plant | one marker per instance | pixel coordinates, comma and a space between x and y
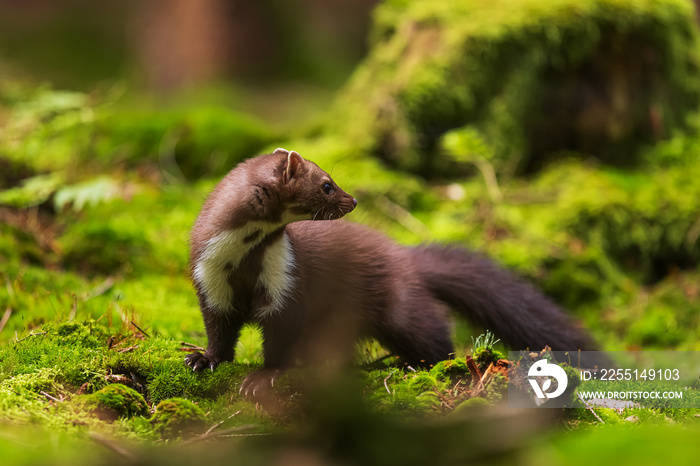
486, 340
483, 350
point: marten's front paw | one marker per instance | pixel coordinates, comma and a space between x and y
259, 383
198, 361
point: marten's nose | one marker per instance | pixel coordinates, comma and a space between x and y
354, 202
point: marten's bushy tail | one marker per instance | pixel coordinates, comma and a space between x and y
493, 298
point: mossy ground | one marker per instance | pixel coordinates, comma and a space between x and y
97, 199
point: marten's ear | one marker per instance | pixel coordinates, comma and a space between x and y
279, 150
293, 166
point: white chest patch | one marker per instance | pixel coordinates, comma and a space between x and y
226, 250
212, 269
277, 275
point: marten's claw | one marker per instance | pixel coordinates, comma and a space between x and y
259, 383
198, 361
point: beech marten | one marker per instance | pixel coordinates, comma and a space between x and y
268, 247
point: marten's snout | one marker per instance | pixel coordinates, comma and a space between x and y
351, 205
345, 204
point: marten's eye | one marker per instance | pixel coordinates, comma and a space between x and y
327, 188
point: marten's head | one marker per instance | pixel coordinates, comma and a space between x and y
265, 193
309, 192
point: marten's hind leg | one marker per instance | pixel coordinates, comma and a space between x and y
419, 332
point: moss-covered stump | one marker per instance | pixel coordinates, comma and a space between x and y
176, 417
529, 77
114, 401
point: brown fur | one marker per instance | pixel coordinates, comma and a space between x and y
352, 281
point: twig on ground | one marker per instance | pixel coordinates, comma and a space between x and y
454, 389
385, 384
223, 433
479, 387
589, 408
50, 397
140, 330
219, 423
192, 347
473, 369
30, 335
128, 349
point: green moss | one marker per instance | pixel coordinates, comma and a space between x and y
80, 357
608, 415
497, 388
507, 70
87, 334
486, 356
176, 379
473, 405
450, 369
395, 391
423, 383
43, 379
574, 380
114, 401
75, 356
176, 417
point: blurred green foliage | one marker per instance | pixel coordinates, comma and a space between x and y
70, 132
187, 143
530, 76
